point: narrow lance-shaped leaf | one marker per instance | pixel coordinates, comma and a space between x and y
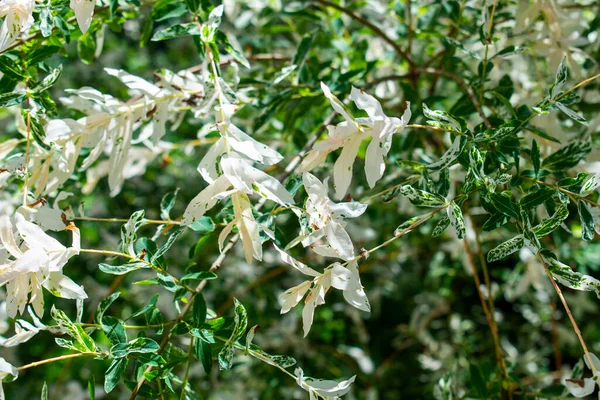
457, 220
422, 198
506, 248
450, 155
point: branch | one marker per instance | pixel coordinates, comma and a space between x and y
372, 27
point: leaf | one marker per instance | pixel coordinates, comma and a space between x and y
49, 80
198, 276
535, 157
129, 232
11, 99
564, 275
42, 54
567, 157
240, 325
302, 52
590, 185
203, 225
570, 113
541, 133
450, 155
166, 9
536, 198
86, 47
12, 69
422, 198
226, 45
560, 79
113, 373
177, 30
122, 269
504, 205
441, 226
92, 387
548, 225
44, 395
174, 234
442, 119
587, 220
457, 220
140, 345
114, 329
204, 354
103, 306
506, 248
198, 311
167, 203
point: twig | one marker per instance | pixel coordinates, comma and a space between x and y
372, 27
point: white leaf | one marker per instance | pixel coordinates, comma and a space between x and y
84, 10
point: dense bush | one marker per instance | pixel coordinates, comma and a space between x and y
204, 200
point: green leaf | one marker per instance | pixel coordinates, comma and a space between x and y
590, 185
44, 395
541, 133
49, 80
203, 225
240, 325
450, 155
41, 54
11, 99
167, 203
457, 220
204, 354
86, 47
504, 205
103, 306
129, 232
175, 31
535, 157
114, 329
548, 225
564, 275
225, 44
92, 387
441, 226
506, 248
536, 198
567, 157
113, 373
166, 9
140, 345
302, 52
442, 119
174, 234
122, 269
570, 113
422, 198
560, 79
587, 220
198, 276
193, 5
198, 311
12, 69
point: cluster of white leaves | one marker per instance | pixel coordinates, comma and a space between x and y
108, 128
325, 221
350, 133
31, 260
336, 275
6, 369
17, 20
228, 168
586, 386
321, 388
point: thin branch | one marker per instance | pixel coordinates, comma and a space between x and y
60, 358
371, 26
